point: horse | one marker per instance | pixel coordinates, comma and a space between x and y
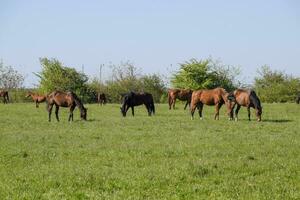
101, 99
132, 99
4, 94
249, 99
217, 97
36, 98
65, 99
298, 99
181, 94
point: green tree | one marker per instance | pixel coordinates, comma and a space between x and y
205, 74
155, 85
276, 86
127, 77
55, 76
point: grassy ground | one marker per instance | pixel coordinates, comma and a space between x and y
167, 156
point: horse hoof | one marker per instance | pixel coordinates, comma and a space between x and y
201, 118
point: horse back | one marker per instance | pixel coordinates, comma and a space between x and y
61, 99
242, 97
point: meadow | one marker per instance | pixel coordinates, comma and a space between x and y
167, 156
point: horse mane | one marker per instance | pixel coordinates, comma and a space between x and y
255, 100
77, 101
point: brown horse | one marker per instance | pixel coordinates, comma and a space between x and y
132, 99
181, 94
62, 99
217, 97
36, 98
101, 99
249, 99
298, 99
4, 94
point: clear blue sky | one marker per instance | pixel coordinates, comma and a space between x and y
152, 34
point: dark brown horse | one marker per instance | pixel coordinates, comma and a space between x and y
62, 99
298, 99
249, 99
36, 98
101, 99
132, 99
4, 94
216, 97
181, 94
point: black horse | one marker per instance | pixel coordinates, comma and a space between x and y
132, 99
298, 99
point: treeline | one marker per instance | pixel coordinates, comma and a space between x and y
270, 85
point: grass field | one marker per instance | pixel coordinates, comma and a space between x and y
167, 156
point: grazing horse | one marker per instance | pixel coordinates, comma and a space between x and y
217, 97
101, 99
181, 94
247, 98
298, 99
4, 94
132, 99
36, 98
62, 99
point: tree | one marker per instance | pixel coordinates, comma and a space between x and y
10, 78
205, 74
55, 76
276, 86
154, 84
127, 77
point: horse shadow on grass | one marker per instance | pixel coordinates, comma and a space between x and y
88, 120
277, 120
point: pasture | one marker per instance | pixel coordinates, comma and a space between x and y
167, 156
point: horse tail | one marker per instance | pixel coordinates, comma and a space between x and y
152, 106
255, 100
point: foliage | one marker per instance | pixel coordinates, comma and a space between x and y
55, 76
167, 156
10, 78
205, 74
276, 86
126, 77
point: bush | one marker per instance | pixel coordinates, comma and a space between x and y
276, 86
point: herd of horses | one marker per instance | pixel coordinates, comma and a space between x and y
217, 97
194, 99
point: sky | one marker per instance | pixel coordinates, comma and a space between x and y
155, 35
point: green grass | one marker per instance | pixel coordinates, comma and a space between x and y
167, 156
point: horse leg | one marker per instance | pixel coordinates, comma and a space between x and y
49, 111
193, 108
148, 109
132, 110
248, 109
174, 101
36, 104
71, 113
218, 106
170, 102
56, 112
200, 108
237, 112
186, 105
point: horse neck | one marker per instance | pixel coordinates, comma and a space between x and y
78, 103
255, 101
